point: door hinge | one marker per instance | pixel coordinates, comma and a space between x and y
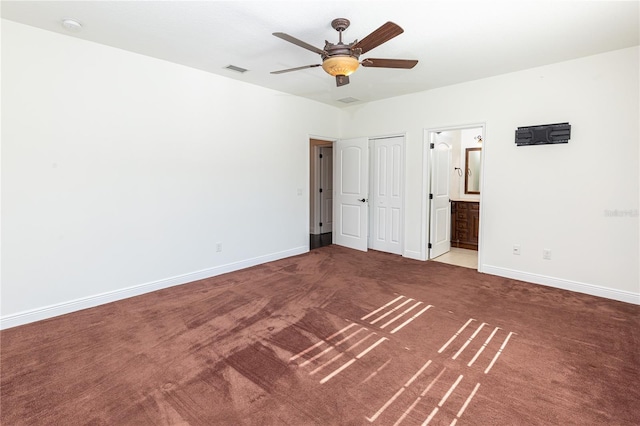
432, 146
320, 155
320, 223
431, 196
320, 189
429, 246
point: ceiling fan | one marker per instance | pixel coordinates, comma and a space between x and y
340, 59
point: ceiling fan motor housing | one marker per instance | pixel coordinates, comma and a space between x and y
340, 58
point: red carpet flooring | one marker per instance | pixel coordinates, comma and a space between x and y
333, 337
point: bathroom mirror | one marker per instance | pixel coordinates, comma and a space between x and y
472, 165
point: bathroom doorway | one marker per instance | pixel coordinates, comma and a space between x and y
454, 227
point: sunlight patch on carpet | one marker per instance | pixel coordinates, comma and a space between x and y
462, 348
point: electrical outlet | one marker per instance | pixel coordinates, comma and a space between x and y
516, 249
218, 247
546, 254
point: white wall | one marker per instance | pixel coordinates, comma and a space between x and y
120, 173
551, 196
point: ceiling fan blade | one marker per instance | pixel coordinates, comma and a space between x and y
296, 69
389, 63
383, 34
300, 43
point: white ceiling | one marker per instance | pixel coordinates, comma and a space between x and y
454, 41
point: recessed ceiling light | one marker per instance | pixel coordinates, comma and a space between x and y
72, 25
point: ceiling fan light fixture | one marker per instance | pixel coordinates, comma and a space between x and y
340, 65
340, 60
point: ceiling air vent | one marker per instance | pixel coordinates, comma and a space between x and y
236, 69
348, 100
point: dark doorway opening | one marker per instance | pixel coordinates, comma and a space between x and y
319, 240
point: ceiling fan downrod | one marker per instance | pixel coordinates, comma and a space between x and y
340, 24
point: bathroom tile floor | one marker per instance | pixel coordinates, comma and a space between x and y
460, 257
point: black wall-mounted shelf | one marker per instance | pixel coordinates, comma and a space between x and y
543, 134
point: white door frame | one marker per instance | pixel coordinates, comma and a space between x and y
426, 185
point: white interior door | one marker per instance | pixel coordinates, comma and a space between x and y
351, 190
386, 195
326, 189
440, 227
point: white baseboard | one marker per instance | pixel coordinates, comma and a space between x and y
593, 290
410, 254
50, 311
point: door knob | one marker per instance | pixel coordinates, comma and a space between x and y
363, 200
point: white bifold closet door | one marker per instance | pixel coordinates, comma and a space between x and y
386, 194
